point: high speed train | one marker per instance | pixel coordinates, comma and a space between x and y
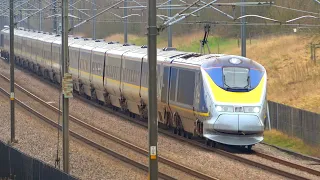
221, 98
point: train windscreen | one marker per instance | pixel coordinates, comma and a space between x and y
236, 78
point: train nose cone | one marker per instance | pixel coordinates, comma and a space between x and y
227, 123
250, 124
238, 124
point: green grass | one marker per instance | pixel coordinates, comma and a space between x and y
279, 139
139, 41
216, 45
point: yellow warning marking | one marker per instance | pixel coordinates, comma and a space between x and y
153, 157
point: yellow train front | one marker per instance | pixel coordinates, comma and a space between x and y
235, 92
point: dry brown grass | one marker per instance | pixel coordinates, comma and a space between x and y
80, 34
119, 37
292, 78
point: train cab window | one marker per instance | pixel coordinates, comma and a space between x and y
236, 78
186, 85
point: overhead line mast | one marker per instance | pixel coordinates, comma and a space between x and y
65, 71
12, 95
152, 90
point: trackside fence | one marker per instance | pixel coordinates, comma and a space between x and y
15, 165
295, 122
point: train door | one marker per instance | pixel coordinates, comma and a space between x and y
173, 78
1, 40
165, 83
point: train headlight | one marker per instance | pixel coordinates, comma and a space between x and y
252, 109
224, 108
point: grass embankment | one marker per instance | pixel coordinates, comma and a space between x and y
190, 43
294, 144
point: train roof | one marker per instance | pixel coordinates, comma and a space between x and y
123, 49
81, 42
45, 36
170, 56
91, 45
106, 47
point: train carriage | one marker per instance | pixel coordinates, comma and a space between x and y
40, 52
84, 72
101, 74
182, 94
18, 45
113, 66
6, 43
134, 81
47, 55
30, 49
76, 65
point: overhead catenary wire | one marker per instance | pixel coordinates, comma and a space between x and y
293, 9
87, 20
182, 15
217, 23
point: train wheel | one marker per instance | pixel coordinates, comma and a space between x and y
185, 134
189, 136
208, 142
174, 130
213, 144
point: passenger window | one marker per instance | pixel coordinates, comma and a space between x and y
186, 86
173, 83
164, 90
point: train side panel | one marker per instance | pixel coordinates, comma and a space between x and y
74, 54
55, 62
96, 78
113, 64
85, 70
130, 83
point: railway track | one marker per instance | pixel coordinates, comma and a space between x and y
143, 152
302, 156
287, 163
198, 143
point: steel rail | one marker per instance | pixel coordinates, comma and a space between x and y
287, 163
124, 143
302, 156
192, 142
85, 140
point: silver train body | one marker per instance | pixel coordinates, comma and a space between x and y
221, 98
